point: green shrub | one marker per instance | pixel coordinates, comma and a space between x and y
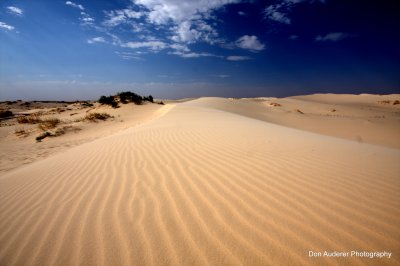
128, 96
149, 99
125, 97
109, 100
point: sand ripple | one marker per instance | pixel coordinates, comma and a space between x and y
203, 187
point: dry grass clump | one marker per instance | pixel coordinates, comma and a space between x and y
48, 123
29, 119
43, 123
275, 104
56, 133
21, 132
93, 117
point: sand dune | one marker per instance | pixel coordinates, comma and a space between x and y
200, 185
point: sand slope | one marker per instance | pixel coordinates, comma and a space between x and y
16, 151
200, 186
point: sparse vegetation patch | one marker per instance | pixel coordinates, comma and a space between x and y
48, 123
29, 119
93, 117
4, 114
21, 132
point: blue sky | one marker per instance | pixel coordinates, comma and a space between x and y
54, 49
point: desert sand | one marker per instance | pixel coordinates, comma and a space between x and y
209, 181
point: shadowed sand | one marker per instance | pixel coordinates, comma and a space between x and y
204, 183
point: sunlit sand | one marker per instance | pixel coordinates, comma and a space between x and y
208, 181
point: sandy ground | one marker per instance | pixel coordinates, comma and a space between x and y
209, 181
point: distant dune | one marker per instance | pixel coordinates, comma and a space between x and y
209, 181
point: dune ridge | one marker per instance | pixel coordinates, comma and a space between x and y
201, 186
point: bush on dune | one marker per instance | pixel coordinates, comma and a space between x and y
125, 97
109, 100
128, 96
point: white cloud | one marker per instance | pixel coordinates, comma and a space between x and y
152, 45
69, 3
277, 16
87, 19
241, 13
250, 43
333, 37
116, 17
180, 47
6, 26
190, 19
222, 76
194, 31
15, 10
185, 33
237, 58
96, 40
183, 50
162, 11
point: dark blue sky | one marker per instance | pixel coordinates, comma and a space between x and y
55, 49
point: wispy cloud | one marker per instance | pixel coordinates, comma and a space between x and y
281, 9
96, 40
250, 43
241, 13
128, 56
152, 45
293, 37
275, 13
333, 37
237, 58
15, 10
85, 18
193, 54
5, 26
222, 76
117, 17
69, 3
